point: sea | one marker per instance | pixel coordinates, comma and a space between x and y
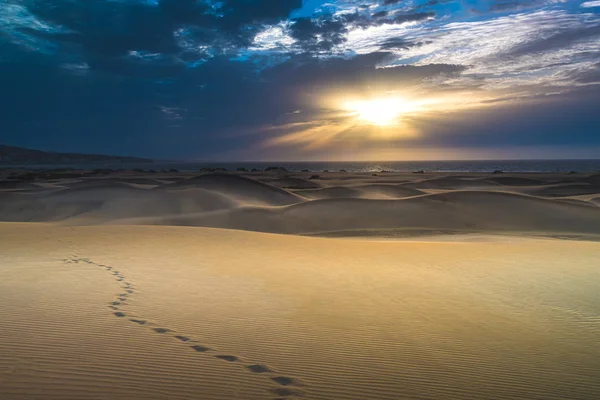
583, 166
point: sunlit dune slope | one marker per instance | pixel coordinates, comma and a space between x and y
156, 312
480, 203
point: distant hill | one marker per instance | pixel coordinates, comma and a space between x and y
19, 155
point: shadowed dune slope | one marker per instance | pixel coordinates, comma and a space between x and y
17, 185
450, 182
239, 188
574, 189
463, 210
513, 181
107, 203
332, 192
364, 191
236, 202
593, 179
293, 183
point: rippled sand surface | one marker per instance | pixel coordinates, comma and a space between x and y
163, 312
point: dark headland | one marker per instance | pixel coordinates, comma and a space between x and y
11, 155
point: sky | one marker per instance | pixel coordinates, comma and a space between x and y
293, 80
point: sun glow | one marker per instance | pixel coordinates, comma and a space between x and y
382, 112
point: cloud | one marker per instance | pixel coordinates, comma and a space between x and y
354, 72
400, 43
320, 34
590, 4
203, 77
587, 74
106, 32
557, 40
499, 52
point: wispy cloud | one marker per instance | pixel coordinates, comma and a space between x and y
212, 68
590, 4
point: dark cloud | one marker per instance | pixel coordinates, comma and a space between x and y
557, 41
400, 43
356, 72
380, 14
319, 34
106, 30
590, 75
324, 32
559, 120
504, 6
383, 17
415, 17
179, 78
190, 115
430, 3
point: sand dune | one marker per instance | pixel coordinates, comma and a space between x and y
514, 181
372, 191
574, 189
237, 202
147, 312
16, 185
450, 183
332, 192
237, 187
461, 210
105, 297
293, 183
100, 184
107, 202
593, 179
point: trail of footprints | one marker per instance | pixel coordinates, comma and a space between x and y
285, 388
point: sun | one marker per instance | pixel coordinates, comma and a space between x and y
382, 112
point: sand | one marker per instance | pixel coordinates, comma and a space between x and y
321, 204
103, 297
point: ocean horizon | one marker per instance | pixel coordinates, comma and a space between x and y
450, 166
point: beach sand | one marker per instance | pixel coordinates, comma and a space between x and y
395, 286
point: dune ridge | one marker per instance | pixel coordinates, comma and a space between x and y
237, 187
462, 210
488, 204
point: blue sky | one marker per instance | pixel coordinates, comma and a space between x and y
301, 80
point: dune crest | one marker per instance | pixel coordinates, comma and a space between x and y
294, 204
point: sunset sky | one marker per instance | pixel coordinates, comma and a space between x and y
302, 80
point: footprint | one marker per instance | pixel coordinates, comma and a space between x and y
284, 392
286, 384
200, 349
258, 368
228, 358
286, 381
